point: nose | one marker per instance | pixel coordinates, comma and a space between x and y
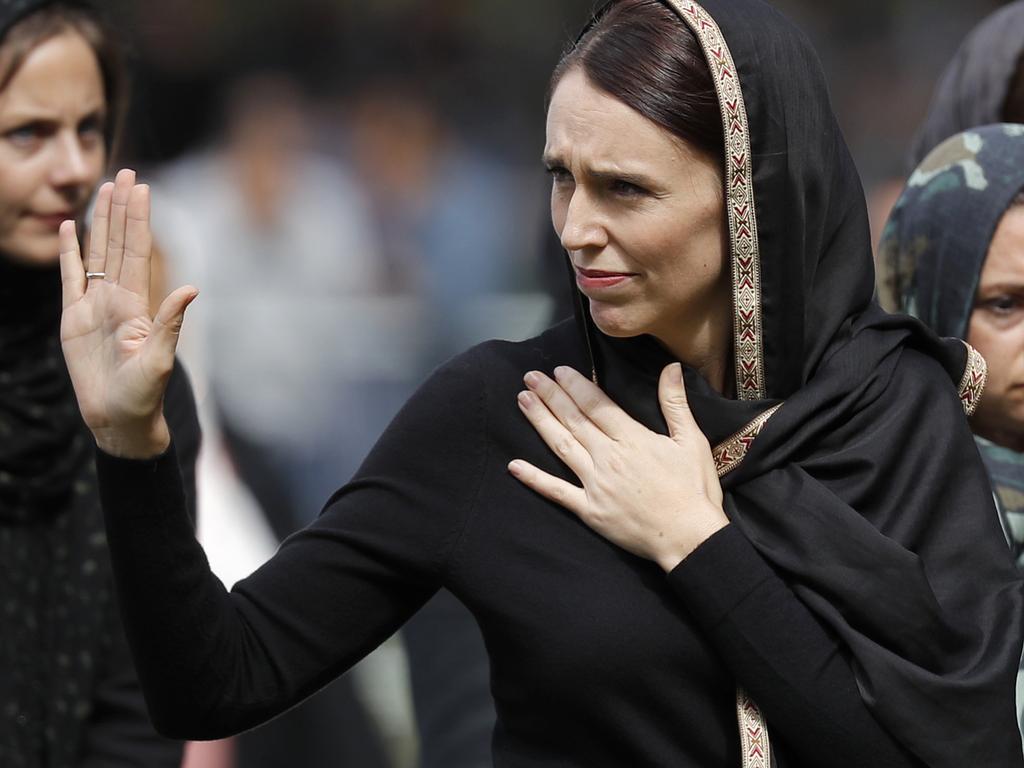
583, 228
73, 162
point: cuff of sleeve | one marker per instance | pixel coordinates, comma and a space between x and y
140, 487
719, 575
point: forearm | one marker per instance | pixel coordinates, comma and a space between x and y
176, 614
797, 672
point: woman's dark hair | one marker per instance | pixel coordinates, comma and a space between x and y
641, 53
53, 20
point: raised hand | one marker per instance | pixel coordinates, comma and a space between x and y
119, 355
656, 496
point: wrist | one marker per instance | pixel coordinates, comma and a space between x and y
673, 555
143, 441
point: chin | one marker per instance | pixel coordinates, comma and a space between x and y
612, 321
35, 251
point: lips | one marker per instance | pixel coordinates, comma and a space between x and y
599, 278
52, 220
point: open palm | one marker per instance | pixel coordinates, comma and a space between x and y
118, 355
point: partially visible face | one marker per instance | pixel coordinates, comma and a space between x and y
997, 331
641, 214
52, 152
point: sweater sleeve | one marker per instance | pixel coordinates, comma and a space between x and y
214, 662
792, 667
119, 732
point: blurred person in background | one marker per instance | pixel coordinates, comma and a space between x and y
954, 248
983, 84
286, 351
69, 696
450, 217
817, 560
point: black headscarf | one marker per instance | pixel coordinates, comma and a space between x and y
846, 458
974, 88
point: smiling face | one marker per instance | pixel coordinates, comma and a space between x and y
997, 331
641, 214
52, 151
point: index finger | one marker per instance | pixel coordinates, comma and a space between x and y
589, 398
72, 272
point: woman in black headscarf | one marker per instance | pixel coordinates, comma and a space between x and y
983, 84
712, 216
68, 691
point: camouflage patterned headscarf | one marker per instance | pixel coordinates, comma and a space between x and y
935, 242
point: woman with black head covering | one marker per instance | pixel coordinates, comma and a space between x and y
68, 691
810, 506
983, 84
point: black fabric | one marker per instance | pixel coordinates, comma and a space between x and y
13, 11
597, 659
42, 445
69, 696
974, 87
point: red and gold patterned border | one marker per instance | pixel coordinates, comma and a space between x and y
756, 745
730, 452
748, 339
972, 385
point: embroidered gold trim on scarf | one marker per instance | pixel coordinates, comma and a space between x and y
972, 385
730, 452
748, 339
757, 748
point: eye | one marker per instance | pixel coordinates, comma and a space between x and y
559, 175
26, 136
1002, 305
627, 189
92, 127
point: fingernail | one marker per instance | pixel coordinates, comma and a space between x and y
560, 372
532, 379
515, 467
524, 399
678, 373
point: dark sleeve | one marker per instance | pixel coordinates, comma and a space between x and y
797, 672
119, 733
214, 662
183, 424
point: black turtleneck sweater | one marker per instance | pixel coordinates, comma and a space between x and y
598, 658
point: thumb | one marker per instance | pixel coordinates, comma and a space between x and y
672, 396
167, 324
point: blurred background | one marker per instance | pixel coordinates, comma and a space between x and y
356, 189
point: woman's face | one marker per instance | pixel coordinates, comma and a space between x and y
52, 153
997, 331
641, 214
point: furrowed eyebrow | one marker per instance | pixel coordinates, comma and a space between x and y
630, 178
640, 180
